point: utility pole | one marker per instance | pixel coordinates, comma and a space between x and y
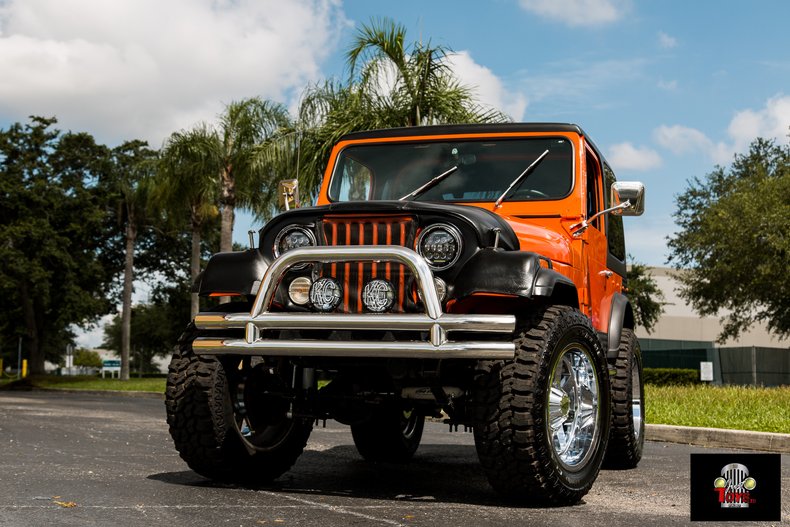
19, 360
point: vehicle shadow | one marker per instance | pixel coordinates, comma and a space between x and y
439, 473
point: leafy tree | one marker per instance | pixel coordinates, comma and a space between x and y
52, 231
131, 168
87, 359
645, 296
155, 327
734, 241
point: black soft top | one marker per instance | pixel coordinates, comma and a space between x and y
448, 129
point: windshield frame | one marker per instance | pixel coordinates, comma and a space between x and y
569, 137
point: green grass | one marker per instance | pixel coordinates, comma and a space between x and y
735, 407
87, 382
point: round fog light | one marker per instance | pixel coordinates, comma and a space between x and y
299, 290
441, 288
325, 294
378, 296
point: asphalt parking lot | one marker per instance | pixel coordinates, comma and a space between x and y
76, 459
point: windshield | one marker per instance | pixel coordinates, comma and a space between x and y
485, 169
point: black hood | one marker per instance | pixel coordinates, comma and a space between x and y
477, 220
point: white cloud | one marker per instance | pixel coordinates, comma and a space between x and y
625, 156
489, 89
668, 85
666, 41
577, 13
681, 139
144, 68
770, 122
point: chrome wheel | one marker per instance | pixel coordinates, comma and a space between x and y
409, 423
260, 414
573, 408
636, 399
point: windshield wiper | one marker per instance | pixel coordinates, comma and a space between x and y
430, 184
520, 178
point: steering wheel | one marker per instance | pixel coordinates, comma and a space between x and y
533, 192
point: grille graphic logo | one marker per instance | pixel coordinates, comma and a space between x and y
734, 486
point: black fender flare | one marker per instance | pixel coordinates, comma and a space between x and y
234, 272
514, 273
621, 315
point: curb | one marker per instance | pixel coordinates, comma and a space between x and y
106, 393
719, 437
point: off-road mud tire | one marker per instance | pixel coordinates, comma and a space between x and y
626, 439
510, 402
390, 436
202, 425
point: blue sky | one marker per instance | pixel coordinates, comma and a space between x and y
666, 89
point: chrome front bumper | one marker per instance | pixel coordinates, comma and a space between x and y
433, 322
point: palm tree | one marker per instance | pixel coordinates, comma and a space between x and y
390, 84
183, 183
412, 85
234, 153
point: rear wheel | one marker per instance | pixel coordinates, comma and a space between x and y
627, 435
542, 420
391, 435
229, 424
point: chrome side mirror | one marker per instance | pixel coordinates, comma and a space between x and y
288, 194
632, 192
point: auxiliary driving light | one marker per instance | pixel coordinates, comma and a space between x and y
378, 296
325, 294
441, 289
299, 290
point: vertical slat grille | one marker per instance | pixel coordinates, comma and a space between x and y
367, 230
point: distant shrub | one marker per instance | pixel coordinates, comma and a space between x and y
670, 376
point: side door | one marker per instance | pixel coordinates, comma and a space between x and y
596, 249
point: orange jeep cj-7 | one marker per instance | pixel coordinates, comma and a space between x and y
473, 273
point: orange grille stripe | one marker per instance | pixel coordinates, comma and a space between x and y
346, 281
334, 241
389, 242
375, 225
360, 269
401, 277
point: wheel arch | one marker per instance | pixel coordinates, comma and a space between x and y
526, 276
237, 273
621, 316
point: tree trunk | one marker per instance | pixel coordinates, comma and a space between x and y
126, 310
35, 354
228, 201
194, 263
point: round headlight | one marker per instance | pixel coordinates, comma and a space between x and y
440, 245
292, 237
299, 290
